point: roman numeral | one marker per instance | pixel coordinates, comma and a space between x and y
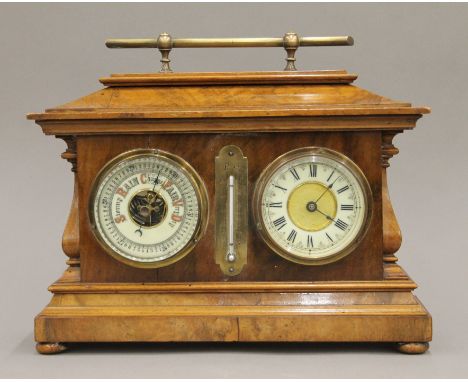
294, 173
329, 237
313, 170
280, 223
343, 189
310, 242
276, 205
347, 207
281, 188
331, 175
292, 236
341, 224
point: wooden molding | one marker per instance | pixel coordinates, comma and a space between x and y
228, 95
388, 285
223, 125
135, 117
228, 78
395, 279
360, 317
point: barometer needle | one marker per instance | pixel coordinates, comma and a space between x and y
156, 180
155, 183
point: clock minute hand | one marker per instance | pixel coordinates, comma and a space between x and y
323, 193
327, 189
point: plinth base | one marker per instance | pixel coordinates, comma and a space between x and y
379, 311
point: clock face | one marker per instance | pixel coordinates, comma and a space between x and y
148, 208
312, 205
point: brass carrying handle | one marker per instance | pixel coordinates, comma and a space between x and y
290, 42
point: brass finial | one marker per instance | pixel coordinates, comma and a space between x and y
164, 43
291, 43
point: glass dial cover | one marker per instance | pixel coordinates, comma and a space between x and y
312, 205
148, 208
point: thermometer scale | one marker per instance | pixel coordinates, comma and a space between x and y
231, 191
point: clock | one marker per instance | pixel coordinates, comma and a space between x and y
312, 205
148, 208
231, 206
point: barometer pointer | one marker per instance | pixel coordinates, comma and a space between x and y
139, 230
156, 180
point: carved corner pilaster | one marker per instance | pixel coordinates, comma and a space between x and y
391, 229
71, 238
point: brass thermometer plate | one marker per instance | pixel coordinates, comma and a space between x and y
231, 194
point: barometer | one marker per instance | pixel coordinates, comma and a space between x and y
231, 206
148, 208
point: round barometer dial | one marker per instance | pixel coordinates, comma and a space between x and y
312, 205
148, 208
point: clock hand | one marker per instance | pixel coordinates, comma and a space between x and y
327, 216
323, 193
328, 188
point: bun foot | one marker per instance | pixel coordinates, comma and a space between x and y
50, 347
412, 347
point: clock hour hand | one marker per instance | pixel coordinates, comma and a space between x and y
327, 216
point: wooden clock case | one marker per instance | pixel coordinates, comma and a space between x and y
364, 297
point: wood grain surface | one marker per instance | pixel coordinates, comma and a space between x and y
363, 297
260, 149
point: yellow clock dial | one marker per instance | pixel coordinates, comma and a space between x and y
312, 205
309, 215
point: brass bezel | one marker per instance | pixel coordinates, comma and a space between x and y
200, 191
289, 157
